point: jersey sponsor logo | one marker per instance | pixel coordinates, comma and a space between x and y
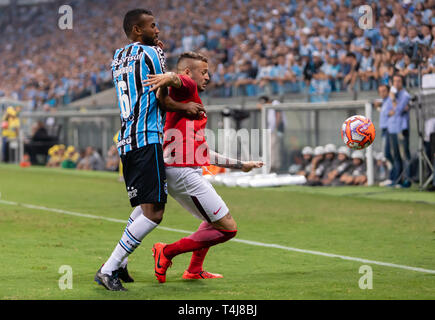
117, 62
123, 142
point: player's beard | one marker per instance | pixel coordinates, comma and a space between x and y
149, 41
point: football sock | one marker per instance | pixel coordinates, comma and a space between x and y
197, 260
130, 240
198, 256
136, 212
206, 236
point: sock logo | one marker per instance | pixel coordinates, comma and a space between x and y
132, 192
131, 244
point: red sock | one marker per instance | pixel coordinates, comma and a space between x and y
197, 260
206, 236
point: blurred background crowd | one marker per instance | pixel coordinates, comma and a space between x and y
255, 46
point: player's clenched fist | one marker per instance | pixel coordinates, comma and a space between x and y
194, 110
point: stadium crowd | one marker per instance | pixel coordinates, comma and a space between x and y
255, 46
89, 158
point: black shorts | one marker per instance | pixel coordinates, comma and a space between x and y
144, 175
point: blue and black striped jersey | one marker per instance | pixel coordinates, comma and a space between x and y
141, 118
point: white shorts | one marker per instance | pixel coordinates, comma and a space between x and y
189, 188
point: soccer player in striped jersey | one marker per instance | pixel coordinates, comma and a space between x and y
140, 139
185, 151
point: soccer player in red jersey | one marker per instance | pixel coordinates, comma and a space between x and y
185, 152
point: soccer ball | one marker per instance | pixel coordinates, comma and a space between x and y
358, 132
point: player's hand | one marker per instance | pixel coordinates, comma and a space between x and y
156, 81
160, 44
249, 165
194, 110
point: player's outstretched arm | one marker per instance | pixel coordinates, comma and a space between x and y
229, 163
163, 80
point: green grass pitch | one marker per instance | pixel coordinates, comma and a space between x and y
384, 225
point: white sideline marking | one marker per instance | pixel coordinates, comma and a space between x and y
253, 243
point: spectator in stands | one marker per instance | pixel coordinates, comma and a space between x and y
91, 160
112, 159
385, 69
70, 159
409, 71
312, 66
357, 174
230, 79
245, 79
263, 79
217, 81
281, 76
56, 156
341, 165
350, 71
10, 132
365, 71
319, 87
296, 69
332, 70
377, 62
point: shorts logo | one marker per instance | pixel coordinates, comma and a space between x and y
166, 187
132, 192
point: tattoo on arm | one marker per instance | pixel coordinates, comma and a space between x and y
176, 81
224, 162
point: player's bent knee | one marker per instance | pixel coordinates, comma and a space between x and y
153, 211
226, 223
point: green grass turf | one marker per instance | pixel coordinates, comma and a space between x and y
372, 223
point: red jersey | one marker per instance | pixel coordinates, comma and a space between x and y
184, 144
